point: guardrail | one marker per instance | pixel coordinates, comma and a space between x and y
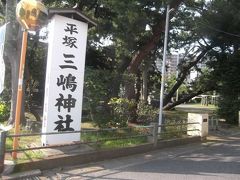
150, 132
213, 123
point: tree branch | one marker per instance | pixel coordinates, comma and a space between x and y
186, 98
183, 74
152, 43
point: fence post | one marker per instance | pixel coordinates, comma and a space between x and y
154, 132
216, 123
212, 123
3, 135
238, 118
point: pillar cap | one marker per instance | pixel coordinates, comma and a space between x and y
71, 13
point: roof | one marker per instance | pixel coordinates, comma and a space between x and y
71, 13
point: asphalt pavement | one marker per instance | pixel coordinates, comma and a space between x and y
216, 159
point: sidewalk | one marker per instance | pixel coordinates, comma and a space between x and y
209, 160
195, 108
82, 154
78, 153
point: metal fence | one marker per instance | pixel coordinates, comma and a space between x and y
150, 133
213, 123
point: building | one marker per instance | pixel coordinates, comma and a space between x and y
172, 62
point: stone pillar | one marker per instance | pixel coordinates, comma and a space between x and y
198, 125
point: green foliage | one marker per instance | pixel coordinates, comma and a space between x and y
227, 71
202, 23
220, 25
101, 116
96, 85
24, 142
174, 131
121, 110
124, 143
116, 138
204, 81
4, 111
146, 113
183, 89
36, 57
104, 111
97, 89
229, 107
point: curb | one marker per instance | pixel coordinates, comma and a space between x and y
22, 175
99, 155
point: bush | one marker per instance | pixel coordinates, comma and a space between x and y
101, 116
229, 88
4, 111
96, 93
146, 113
229, 108
121, 110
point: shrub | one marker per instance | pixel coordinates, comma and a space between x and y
121, 110
4, 111
96, 93
101, 116
229, 108
146, 113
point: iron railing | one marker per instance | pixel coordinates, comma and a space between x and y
149, 132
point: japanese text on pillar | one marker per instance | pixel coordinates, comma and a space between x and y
67, 83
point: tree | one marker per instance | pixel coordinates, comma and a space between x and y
118, 22
198, 26
227, 74
12, 56
12, 52
223, 25
219, 25
195, 26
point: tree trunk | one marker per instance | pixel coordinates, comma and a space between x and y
12, 53
140, 55
183, 74
118, 79
129, 85
182, 100
138, 87
187, 98
145, 82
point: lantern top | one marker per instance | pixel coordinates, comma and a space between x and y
71, 13
31, 14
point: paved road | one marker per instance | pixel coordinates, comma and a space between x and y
217, 159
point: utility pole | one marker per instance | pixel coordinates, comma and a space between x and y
177, 75
163, 68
